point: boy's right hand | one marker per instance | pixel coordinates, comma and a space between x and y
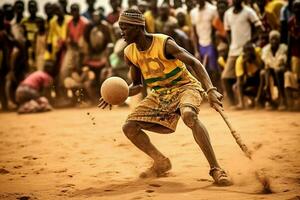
103, 104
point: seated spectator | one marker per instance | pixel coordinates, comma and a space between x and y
291, 86
294, 39
80, 79
292, 76
247, 69
30, 94
274, 55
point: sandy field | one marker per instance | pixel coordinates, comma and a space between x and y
81, 153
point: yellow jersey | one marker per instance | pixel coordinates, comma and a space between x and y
158, 71
252, 68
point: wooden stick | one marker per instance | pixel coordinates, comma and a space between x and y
236, 136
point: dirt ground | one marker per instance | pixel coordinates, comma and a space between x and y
81, 153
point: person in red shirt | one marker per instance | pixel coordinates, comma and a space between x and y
29, 94
74, 53
114, 15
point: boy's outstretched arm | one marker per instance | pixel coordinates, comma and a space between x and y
173, 50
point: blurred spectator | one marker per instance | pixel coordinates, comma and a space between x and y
143, 6
8, 12
269, 14
74, 54
48, 9
181, 38
31, 28
189, 6
164, 18
202, 18
274, 55
116, 60
40, 44
292, 76
57, 35
150, 16
19, 10
181, 20
114, 15
294, 39
291, 86
17, 29
177, 4
4, 60
218, 22
285, 14
132, 3
56, 45
237, 21
97, 36
89, 12
80, 79
247, 69
64, 5
30, 94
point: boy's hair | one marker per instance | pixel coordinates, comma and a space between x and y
132, 16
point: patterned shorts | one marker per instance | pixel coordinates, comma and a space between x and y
163, 108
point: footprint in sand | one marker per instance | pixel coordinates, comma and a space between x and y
149, 191
3, 171
276, 157
61, 170
30, 157
136, 198
154, 185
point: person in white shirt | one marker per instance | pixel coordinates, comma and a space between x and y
274, 56
237, 21
202, 19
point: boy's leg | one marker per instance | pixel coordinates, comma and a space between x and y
200, 133
133, 131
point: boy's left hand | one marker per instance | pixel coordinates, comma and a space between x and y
103, 104
215, 99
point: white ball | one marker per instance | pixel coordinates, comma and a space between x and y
114, 90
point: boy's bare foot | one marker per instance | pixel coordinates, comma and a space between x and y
220, 176
158, 169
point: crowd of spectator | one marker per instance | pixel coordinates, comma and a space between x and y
250, 48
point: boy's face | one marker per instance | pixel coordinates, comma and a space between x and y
129, 32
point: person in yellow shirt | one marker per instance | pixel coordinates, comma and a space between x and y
150, 16
30, 25
247, 70
174, 93
57, 33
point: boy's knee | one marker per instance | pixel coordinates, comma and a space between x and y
189, 117
130, 129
